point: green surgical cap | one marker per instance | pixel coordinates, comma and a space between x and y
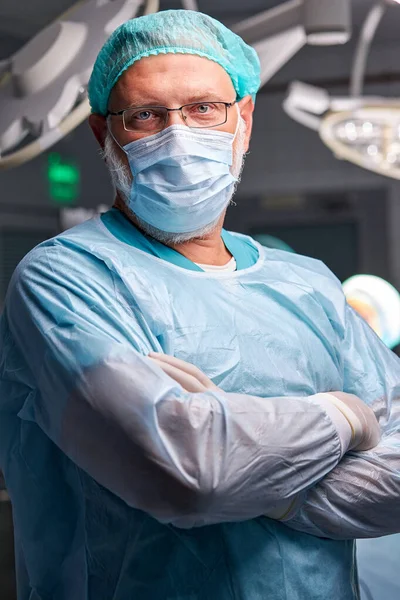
177, 32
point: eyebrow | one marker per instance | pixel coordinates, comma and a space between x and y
204, 96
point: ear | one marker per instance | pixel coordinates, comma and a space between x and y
246, 107
98, 124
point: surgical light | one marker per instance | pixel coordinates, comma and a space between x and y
326, 22
364, 130
43, 93
378, 302
368, 135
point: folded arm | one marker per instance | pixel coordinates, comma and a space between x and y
185, 458
361, 496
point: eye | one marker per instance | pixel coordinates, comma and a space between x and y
144, 119
143, 115
203, 109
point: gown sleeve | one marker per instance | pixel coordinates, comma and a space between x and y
360, 498
187, 459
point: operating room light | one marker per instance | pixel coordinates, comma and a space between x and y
43, 87
378, 302
368, 136
364, 130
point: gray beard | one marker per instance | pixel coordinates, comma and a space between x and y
122, 180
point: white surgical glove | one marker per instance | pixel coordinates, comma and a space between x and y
188, 376
365, 430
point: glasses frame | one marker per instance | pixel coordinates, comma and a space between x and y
122, 113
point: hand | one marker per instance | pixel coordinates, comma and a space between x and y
365, 428
188, 376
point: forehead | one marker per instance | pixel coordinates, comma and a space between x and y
169, 79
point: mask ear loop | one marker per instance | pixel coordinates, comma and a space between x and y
238, 121
112, 135
235, 134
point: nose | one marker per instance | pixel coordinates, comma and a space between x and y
175, 117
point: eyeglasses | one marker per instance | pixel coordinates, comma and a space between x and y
152, 119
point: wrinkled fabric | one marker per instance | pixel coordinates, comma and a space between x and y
176, 32
125, 486
378, 563
360, 498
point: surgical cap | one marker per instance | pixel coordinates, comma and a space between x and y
176, 32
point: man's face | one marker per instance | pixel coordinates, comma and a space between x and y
170, 80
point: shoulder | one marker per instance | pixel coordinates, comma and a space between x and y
312, 269
69, 259
309, 274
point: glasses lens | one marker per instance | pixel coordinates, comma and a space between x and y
205, 114
146, 119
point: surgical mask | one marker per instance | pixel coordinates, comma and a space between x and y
181, 177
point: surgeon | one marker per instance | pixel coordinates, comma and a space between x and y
185, 414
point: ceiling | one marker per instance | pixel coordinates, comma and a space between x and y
22, 19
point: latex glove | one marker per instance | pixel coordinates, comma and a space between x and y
188, 376
365, 428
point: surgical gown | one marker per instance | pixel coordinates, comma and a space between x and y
126, 487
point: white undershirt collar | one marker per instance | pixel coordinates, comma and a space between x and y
230, 267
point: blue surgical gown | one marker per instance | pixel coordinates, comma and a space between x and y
126, 487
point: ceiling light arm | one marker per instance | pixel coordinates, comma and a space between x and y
43, 86
190, 5
151, 6
276, 34
279, 33
301, 116
4, 64
270, 22
306, 104
367, 35
317, 18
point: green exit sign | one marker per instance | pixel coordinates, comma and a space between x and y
63, 178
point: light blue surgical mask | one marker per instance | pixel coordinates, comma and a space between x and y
181, 177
